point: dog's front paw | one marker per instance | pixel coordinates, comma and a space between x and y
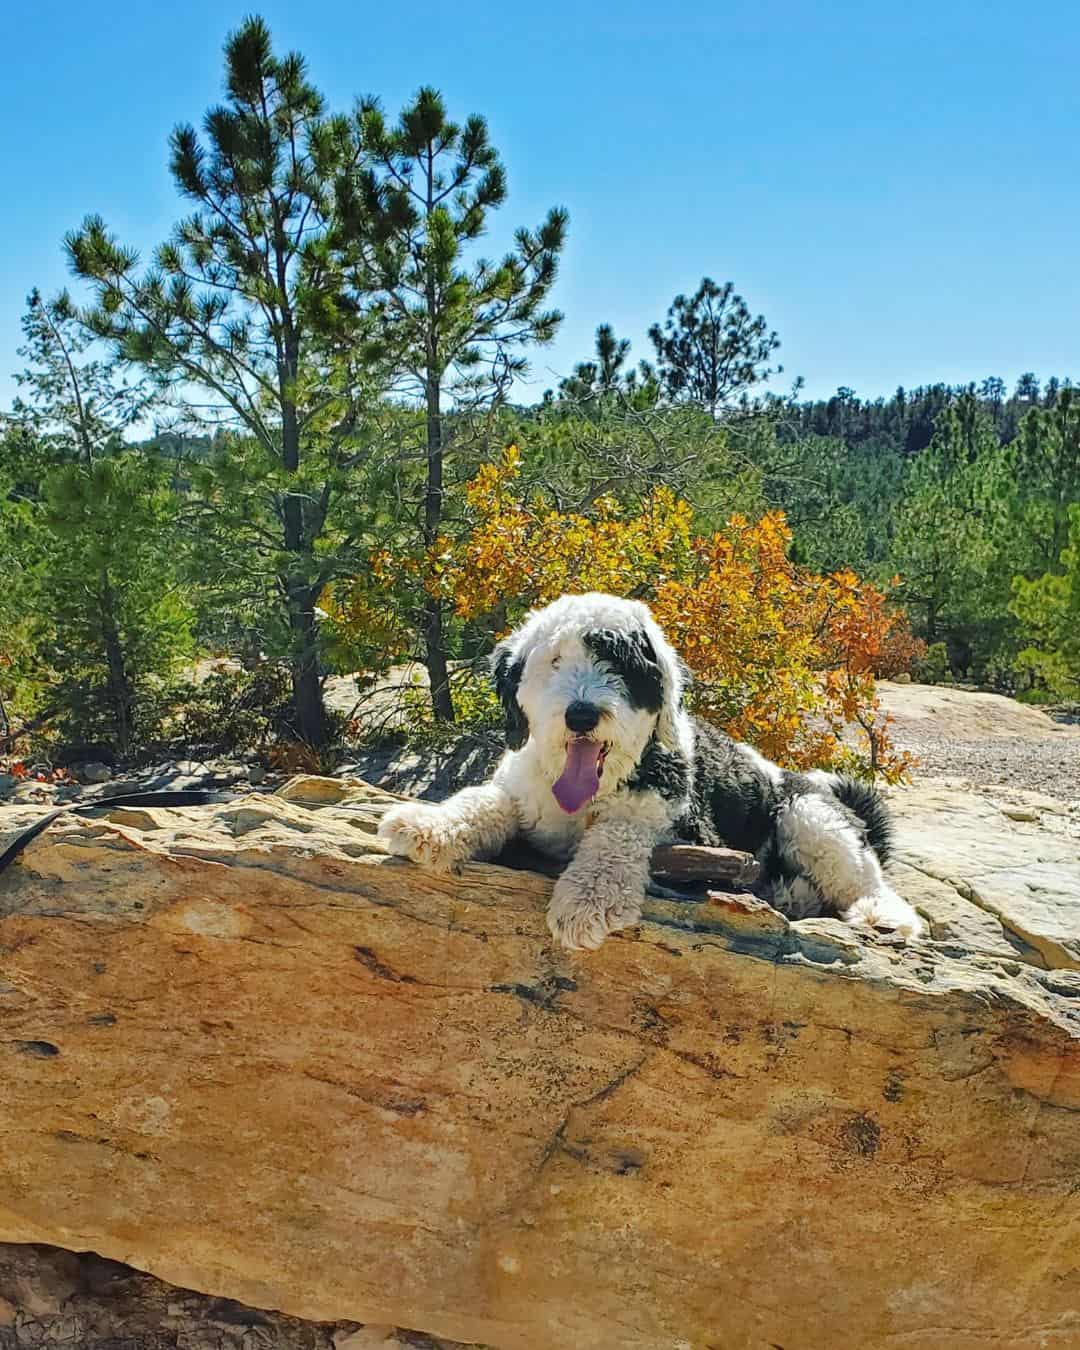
885, 910
424, 834
581, 915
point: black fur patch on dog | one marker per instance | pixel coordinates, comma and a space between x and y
731, 800
632, 657
507, 674
664, 772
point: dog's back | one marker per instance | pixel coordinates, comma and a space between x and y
735, 793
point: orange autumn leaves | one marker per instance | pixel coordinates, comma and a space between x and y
537, 554
781, 657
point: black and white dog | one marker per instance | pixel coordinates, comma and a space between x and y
604, 763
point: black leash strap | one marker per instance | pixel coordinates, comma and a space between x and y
188, 797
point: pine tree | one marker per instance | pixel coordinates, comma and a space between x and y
243, 305
1047, 467
951, 523
90, 529
1027, 388
710, 349
1048, 609
992, 390
21, 683
604, 374
116, 622
454, 330
71, 407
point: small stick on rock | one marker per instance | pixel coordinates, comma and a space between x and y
677, 864
693, 862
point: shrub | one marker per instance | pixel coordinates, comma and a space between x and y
1048, 608
477, 711
1039, 698
901, 651
934, 668
1045, 676
781, 656
111, 625
229, 710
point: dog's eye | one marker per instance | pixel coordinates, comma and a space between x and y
555, 661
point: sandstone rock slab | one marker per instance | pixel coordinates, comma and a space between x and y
258, 1058
994, 868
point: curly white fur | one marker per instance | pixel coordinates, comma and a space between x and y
609, 841
821, 842
474, 823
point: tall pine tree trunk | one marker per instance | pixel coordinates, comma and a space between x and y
932, 609
308, 704
442, 703
307, 690
121, 695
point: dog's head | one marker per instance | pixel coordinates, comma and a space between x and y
589, 679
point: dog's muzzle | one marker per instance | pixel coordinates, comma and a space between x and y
582, 717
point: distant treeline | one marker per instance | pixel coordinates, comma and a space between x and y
904, 423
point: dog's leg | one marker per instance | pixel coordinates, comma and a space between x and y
475, 822
819, 840
604, 884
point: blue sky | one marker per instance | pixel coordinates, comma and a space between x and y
896, 187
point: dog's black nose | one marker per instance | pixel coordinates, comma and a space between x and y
582, 717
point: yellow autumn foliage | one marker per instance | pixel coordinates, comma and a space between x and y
781, 657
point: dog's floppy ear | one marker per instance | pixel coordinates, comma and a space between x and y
506, 670
675, 677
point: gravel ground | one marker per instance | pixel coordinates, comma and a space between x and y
1050, 764
985, 738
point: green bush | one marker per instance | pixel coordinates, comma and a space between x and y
934, 666
477, 710
1038, 697
229, 710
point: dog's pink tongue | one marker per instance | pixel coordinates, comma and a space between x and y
580, 779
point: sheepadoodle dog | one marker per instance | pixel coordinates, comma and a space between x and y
604, 763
